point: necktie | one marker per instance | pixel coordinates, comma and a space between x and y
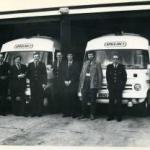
88, 68
18, 66
115, 65
69, 63
36, 64
58, 63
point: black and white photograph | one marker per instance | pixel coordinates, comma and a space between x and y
75, 73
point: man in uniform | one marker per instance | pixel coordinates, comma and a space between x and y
4, 81
90, 83
116, 79
38, 80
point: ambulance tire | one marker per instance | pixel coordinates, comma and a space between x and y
143, 108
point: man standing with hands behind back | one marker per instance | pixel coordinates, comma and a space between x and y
116, 79
38, 80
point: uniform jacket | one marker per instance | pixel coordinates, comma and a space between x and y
116, 77
37, 73
95, 75
17, 84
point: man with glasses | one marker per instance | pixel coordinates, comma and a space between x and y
116, 79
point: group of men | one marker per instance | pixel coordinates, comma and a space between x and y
13, 77
67, 82
91, 81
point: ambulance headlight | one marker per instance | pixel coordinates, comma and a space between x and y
137, 87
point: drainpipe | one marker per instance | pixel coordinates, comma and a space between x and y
65, 30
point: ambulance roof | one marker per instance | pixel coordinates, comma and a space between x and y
126, 41
37, 43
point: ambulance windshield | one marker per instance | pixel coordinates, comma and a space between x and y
27, 57
132, 59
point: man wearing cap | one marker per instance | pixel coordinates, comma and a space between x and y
116, 79
90, 83
38, 80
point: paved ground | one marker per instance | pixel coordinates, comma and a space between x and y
57, 131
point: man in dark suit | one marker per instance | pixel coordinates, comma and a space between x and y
4, 81
90, 82
58, 82
18, 86
70, 72
116, 79
38, 79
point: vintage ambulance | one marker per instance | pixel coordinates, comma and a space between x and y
25, 47
133, 51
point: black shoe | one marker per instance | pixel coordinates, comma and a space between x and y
65, 115
4, 114
82, 117
74, 115
119, 119
25, 114
92, 117
33, 115
110, 118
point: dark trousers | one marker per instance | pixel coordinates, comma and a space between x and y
37, 95
58, 95
18, 105
70, 102
49, 94
115, 102
3, 104
89, 96
3, 96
